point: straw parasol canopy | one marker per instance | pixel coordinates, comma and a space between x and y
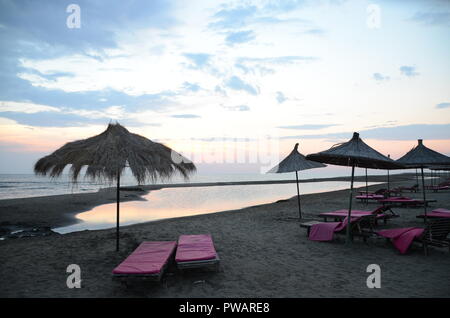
109, 153
295, 161
354, 153
423, 157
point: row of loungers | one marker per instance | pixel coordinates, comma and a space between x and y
381, 213
400, 201
380, 194
363, 223
151, 259
436, 214
441, 186
405, 201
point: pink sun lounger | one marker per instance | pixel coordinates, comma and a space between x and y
437, 213
405, 201
382, 212
149, 259
366, 197
196, 251
438, 188
340, 214
325, 231
434, 234
402, 238
440, 210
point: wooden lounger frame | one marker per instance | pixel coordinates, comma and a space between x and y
435, 234
214, 262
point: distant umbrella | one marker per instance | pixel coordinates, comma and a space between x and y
295, 161
109, 153
423, 157
354, 153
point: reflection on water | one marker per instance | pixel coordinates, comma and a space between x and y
178, 202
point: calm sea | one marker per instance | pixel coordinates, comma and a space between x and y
29, 185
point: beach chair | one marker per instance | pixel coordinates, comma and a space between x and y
364, 192
413, 188
436, 214
360, 226
382, 212
440, 188
148, 261
196, 251
435, 234
405, 201
392, 193
381, 191
369, 197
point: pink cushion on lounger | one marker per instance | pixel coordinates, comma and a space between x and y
399, 199
195, 248
324, 231
149, 258
439, 213
402, 237
440, 210
345, 212
370, 196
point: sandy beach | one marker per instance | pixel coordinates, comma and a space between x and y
263, 252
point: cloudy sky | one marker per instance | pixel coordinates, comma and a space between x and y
215, 79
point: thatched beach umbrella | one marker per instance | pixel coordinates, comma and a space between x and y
295, 161
423, 157
108, 154
353, 153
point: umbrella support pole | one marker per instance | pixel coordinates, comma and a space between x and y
298, 197
424, 197
117, 215
348, 238
417, 179
367, 190
388, 184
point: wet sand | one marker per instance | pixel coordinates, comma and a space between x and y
264, 253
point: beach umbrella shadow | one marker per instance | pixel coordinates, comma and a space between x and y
295, 162
107, 155
354, 153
